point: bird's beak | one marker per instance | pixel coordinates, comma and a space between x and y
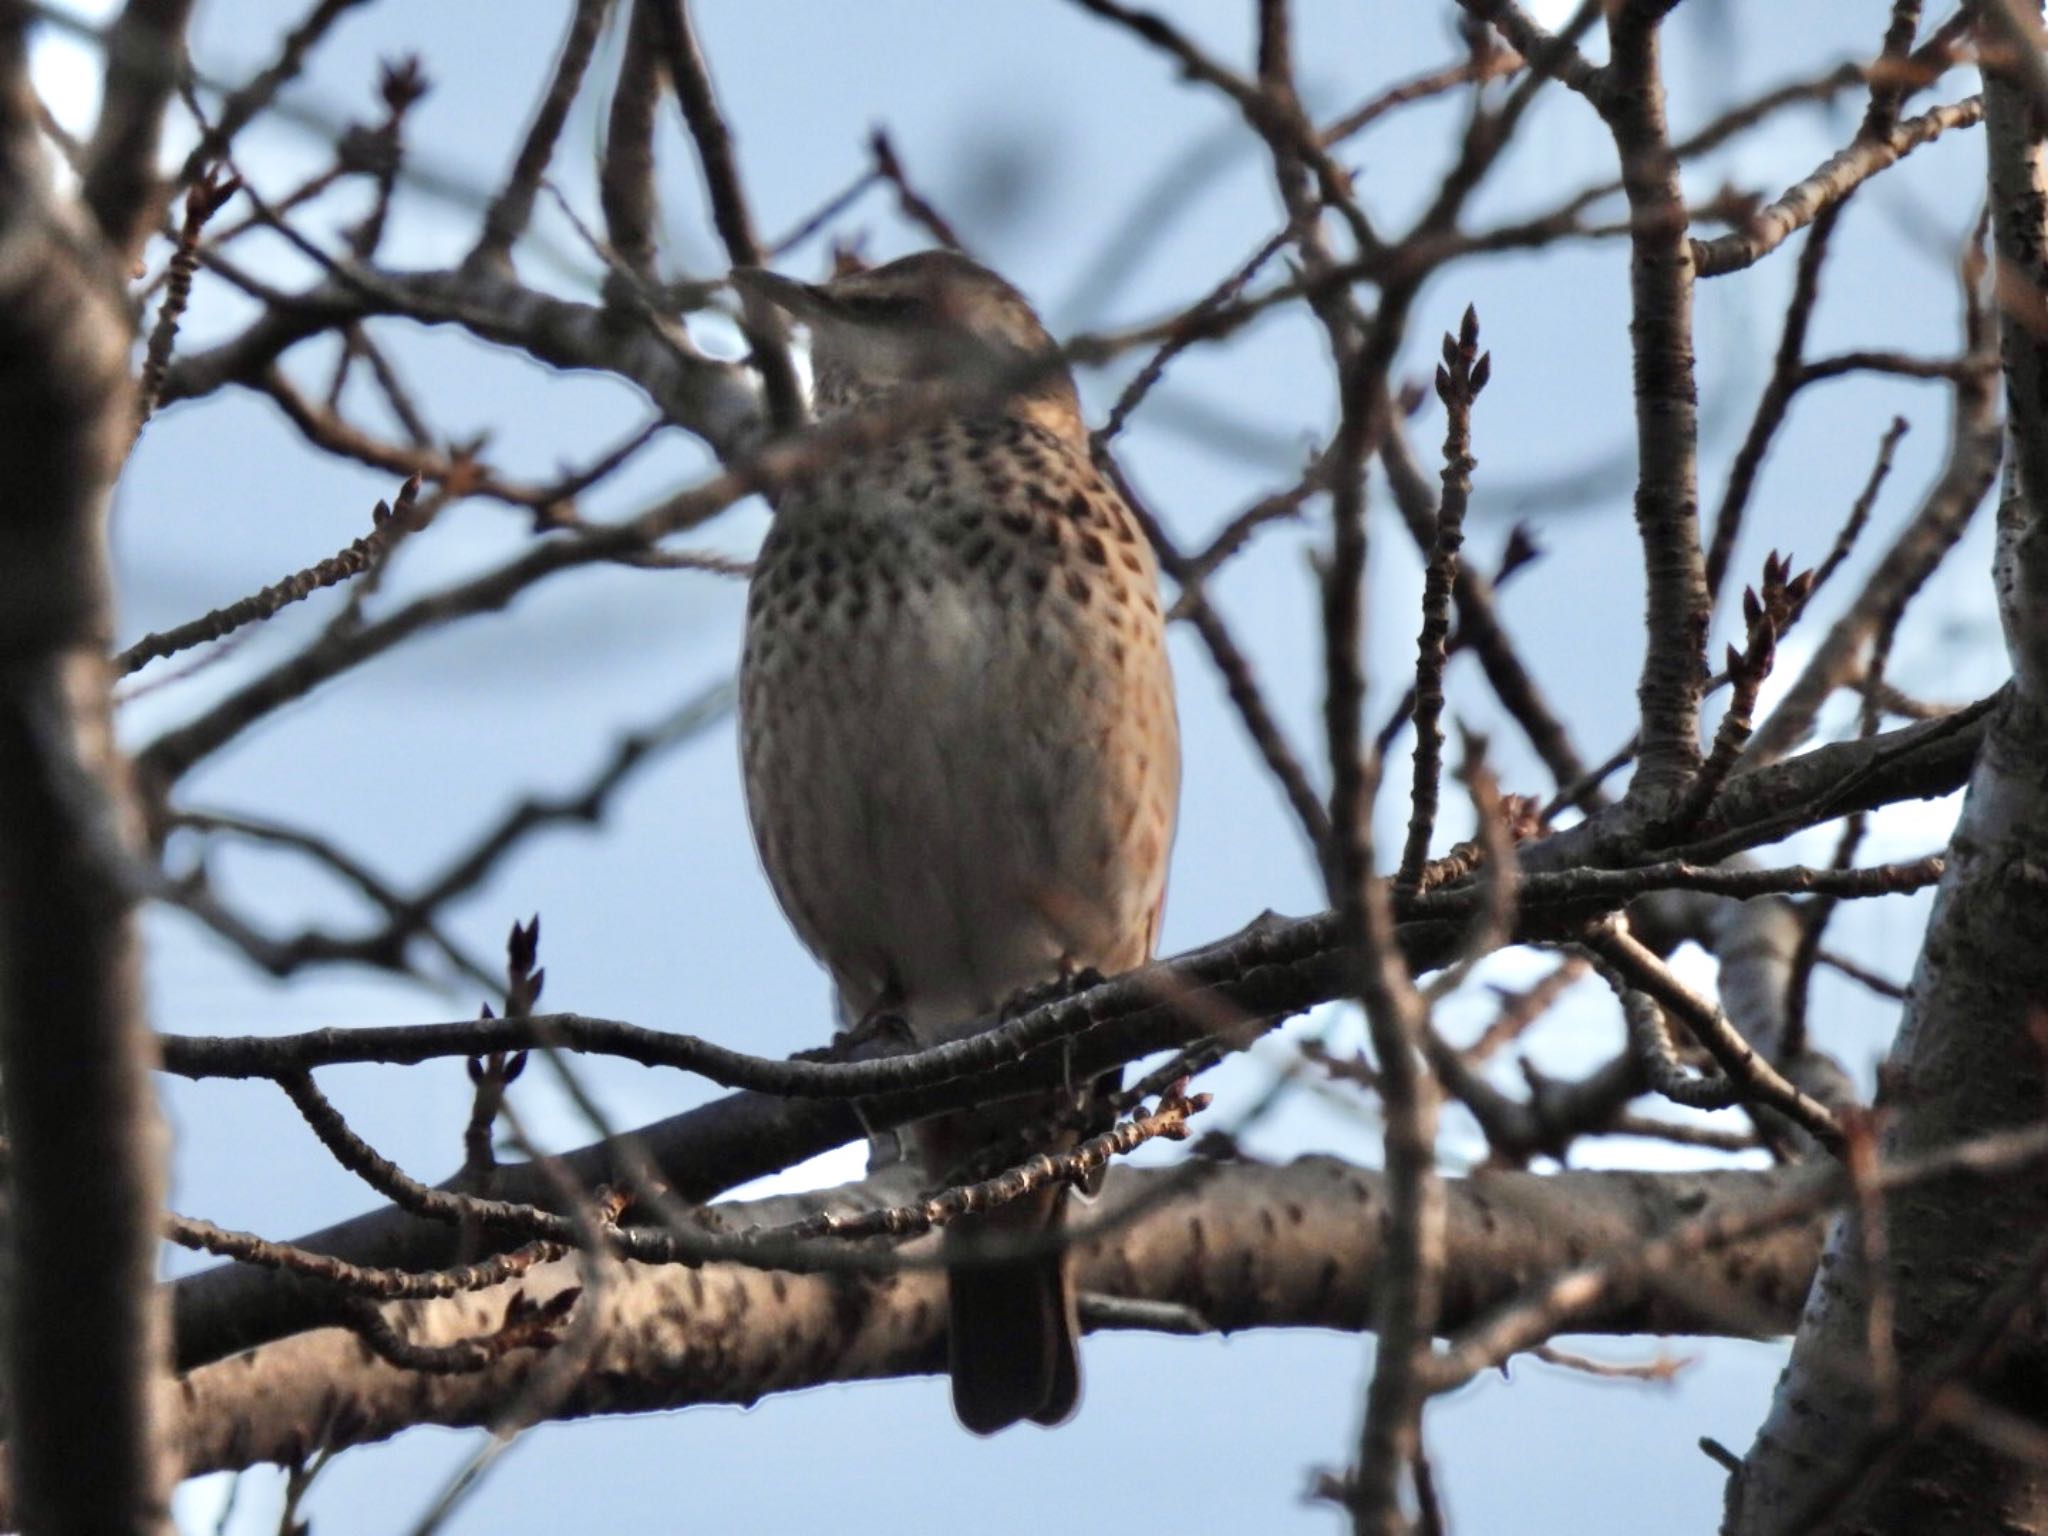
800, 301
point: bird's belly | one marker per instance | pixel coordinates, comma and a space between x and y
941, 792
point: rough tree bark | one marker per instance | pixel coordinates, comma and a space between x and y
84, 1331
1864, 1432
1226, 1246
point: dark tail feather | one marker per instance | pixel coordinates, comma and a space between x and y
1012, 1325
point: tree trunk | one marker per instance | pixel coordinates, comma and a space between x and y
1914, 1346
84, 1335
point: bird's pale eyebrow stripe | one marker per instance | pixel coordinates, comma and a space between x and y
878, 303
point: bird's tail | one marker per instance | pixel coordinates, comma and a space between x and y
1012, 1324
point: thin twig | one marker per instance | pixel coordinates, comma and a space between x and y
1756, 1080
244, 105
1459, 379
402, 84
406, 1192
916, 207
1765, 616
1520, 1010
389, 524
1786, 379
690, 74
202, 201
1920, 547
1478, 617
364, 1280
1218, 970
527, 1325
1487, 63
513, 206
1396, 1017
1860, 509
1167, 1120
1663, 1369
1209, 304
1828, 185
1862, 975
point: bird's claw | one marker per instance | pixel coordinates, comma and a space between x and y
879, 1027
1066, 984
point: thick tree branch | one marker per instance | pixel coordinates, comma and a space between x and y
1237, 1245
626, 181
1667, 415
84, 1323
715, 400
145, 53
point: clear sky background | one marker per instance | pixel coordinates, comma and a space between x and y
1076, 162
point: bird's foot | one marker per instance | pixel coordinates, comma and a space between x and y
882, 1028
1067, 984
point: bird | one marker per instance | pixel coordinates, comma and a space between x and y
959, 741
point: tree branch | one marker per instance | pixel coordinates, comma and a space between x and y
1237, 1245
513, 206
1667, 415
691, 76
84, 1321
145, 52
1828, 185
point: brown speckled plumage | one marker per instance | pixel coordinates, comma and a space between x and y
959, 727
959, 740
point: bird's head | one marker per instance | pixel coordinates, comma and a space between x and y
932, 318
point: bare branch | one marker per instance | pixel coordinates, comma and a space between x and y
626, 182
710, 398
84, 1331
388, 525
1486, 63
1206, 1249
145, 51
243, 106
513, 206
1755, 1079
202, 201
1556, 1304
1478, 620
385, 1284
1396, 1015
1828, 185
1458, 382
1545, 53
1921, 546
1667, 416
691, 77
1277, 967
1964, 1276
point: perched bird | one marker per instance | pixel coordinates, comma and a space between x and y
958, 736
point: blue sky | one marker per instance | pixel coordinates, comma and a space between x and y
1038, 132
